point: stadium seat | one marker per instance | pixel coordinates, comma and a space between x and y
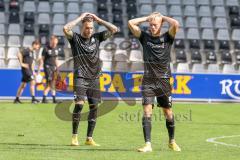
61, 55
190, 10
2, 6
72, 17
181, 56
58, 19
117, 18
193, 33
103, 15
237, 45
235, 22
233, 10
121, 67
116, 7
44, 40
217, 2
27, 41
162, 9
14, 29
229, 69
2, 29
29, 17
188, 2
196, 56
208, 44
198, 68
191, 22
136, 67
12, 53
180, 20
179, 43
58, 7
203, 2
145, 2
206, 22
29, 6
221, 22
2, 17
73, 8
236, 35
44, 30
194, 44
176, 2
232, 3
2, 63
237, 56
120, 55
175, 10
2, 53
159, 2
43, 18
61, 41
88, 7
180, 34
183, 68
226, 57
2, 41
101, 6
58, 30
14, 41
213, 68
211, 56
208, 34
224, 44
222, 34
14, 17
105, 55
145, 9
106, 66
28, 29
136, 56
219, 11
204, 11
13, 63
43, 7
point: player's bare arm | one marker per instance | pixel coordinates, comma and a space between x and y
133, 25
174, 25
67, 29
20, 58
111, 27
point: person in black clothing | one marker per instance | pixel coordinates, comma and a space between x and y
87, 68
157, 72
26, 58
50, 65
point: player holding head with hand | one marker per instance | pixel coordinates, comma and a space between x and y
26, 58
157, 72
87, 68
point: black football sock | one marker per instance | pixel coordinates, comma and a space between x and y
92, 117
147, 127
76, 118
170, 124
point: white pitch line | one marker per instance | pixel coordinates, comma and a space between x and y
213, 140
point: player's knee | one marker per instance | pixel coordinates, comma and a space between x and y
168, 113
147, 111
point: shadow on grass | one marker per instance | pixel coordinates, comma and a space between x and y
17, 146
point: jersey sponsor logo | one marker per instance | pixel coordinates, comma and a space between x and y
154, 46
231, 88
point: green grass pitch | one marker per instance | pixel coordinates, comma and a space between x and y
33, 132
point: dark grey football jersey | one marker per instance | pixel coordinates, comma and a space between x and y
156, 54
86, 55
